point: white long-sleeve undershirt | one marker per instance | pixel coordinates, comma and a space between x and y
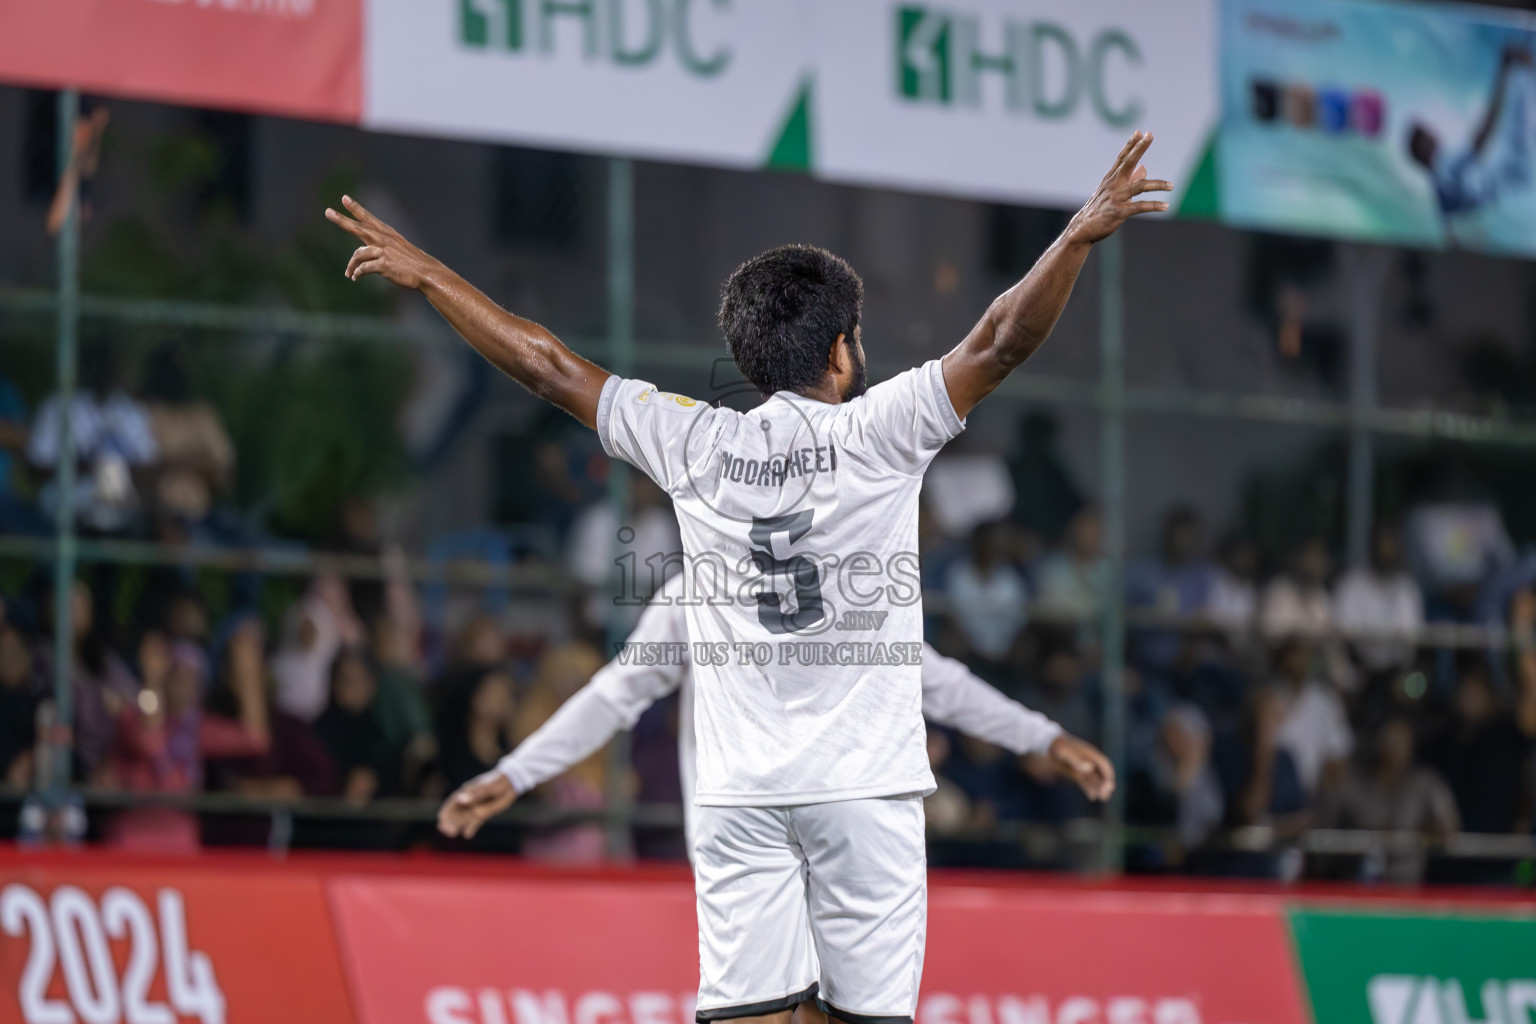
619, 693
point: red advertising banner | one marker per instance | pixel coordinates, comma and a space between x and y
1016, 956
514, 951
518, 951
104, 943
297, 58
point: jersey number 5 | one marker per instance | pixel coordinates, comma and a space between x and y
800, 570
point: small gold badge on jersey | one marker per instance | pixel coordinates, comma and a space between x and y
666, 399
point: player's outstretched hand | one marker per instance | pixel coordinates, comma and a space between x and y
384, 251
1086, 765
473, 804
1114, 202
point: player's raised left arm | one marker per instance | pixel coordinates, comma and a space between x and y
520, 348
1018, 321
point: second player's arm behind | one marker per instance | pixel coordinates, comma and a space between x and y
1018, 321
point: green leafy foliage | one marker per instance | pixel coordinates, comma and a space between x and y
313, 422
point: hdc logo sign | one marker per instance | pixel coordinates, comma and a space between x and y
1045, 69
625, 33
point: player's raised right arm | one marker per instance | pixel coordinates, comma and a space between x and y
1018, 321
520, 348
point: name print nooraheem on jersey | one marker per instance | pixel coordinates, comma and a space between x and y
776, 470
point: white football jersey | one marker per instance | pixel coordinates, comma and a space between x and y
802, 589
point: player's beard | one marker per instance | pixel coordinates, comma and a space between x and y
860, 382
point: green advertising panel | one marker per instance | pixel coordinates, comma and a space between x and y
1378, 968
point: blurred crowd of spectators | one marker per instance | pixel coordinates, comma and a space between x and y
1260, 703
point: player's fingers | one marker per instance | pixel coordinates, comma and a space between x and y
1151, 185
1139, 150
1125, 150
346, 224
364, 269
1147, 207
1106, 769
357, 210
362, 255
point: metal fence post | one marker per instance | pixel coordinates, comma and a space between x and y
67, 363
1366, 273
1112, 487
621, 361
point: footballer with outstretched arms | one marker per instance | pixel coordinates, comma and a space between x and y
799, 527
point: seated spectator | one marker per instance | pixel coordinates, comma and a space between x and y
365, 763
1382, 601
18, 708
1314, 729
593, 547
561, 673
988, 596
474, 724
1392, 794
294, 764
1296, 602
1260, 784
401, 706
1178, 786
1059, 692
112, 440
1176, 583
1484, 756
478, 645
164, 737
1454, 546
313, 632
1234, 586
196, 458
101, 682
1071, 580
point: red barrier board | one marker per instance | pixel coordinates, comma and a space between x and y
451, 951
483, 951
1002, 956
109, 942
297, 58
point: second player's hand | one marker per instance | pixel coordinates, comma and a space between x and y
473, 804
1114, 202
384, 251
1086, 765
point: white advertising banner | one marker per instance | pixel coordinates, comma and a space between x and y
700, 81
1022, 100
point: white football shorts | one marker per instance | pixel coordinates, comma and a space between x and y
826, 901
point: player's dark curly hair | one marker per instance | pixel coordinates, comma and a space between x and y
782, 311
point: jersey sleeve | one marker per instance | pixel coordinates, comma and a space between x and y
651, 665
651, 429
952, 696
902, 423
